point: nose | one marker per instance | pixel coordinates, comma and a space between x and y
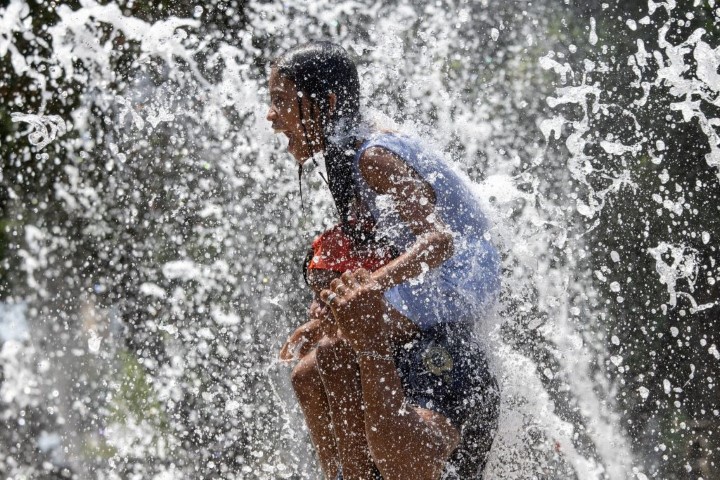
271, 114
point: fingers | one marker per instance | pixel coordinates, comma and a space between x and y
362, 276
304, 338
338, 291
349, 279
338, 286
321, 312
305, 348
295, 350
292, 350
336, 283
330, 298
285, 352
317, 311
343, 289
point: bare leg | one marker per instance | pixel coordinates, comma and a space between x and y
310, 392
406, 442
341, 377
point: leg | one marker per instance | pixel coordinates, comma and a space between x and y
310, 392
341, 377
406, 442
414, 444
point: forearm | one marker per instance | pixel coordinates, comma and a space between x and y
429, 251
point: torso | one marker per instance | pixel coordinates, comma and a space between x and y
471, 275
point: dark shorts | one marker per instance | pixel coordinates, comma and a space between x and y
445, 370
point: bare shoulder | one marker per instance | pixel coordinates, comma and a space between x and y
383, 170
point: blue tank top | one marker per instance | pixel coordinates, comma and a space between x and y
461, 285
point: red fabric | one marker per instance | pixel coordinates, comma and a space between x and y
334, 250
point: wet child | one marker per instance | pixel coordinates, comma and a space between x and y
403, 376
332, 253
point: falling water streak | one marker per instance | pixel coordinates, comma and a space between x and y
671, 72
663, 70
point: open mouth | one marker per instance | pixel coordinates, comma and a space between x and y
289, 136
284, 132
290, 140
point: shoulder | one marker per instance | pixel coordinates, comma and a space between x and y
385, 150
381, 168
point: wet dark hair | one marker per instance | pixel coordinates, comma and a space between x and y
319, 69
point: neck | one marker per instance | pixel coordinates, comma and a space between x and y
345, 131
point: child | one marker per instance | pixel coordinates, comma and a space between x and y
420, 363
332, 253
407, 380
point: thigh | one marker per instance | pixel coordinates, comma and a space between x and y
449, 374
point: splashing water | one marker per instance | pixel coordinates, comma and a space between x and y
43, 129
160, 259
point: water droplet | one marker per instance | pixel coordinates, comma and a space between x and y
94, 342
593, 39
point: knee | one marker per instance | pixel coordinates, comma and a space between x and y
305, 377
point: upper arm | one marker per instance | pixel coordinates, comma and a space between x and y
414, 198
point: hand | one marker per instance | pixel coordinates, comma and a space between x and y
358, 305
306, 336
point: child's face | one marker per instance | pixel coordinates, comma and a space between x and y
320, 279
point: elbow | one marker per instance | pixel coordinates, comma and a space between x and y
443, 247
447, 245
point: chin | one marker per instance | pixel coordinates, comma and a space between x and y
297, 158
300, 159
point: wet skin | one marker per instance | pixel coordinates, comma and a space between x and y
285, 117
349, 379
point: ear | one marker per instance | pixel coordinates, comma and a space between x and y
332, 102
